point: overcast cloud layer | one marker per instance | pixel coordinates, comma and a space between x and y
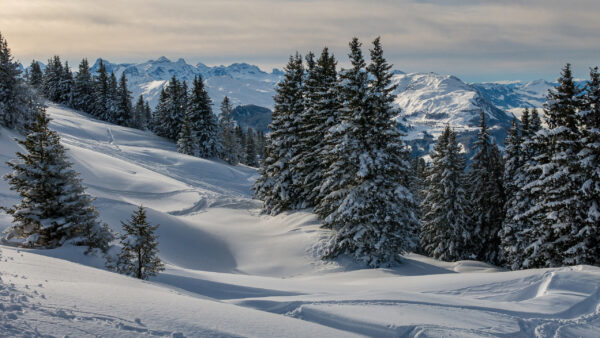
476, 40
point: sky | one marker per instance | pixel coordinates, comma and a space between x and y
476, 40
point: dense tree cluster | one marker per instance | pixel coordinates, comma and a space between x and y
333, 146
100, 95
19, 103
552, 216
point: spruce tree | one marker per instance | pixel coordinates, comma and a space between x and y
446, 227
561, 179
250, 151
203, 122
227, 133
139, 253
309, 165
515, 235
486, 196
101, 92
513, 160
124, 110
160, 114
66, 86
36, 76
83, 88
376, 218
54, 208
53, 77
112, 103
18, 103
588, 250
186, 140
140, 119
276, 186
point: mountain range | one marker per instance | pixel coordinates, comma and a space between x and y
428, 101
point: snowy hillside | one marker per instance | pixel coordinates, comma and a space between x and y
234, 272
243, 83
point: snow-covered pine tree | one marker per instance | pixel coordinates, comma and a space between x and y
66, 86
241, 144
53, 77
250, 151
227, 133
101, 92
320, 107
516, 227
148, 114
557, 214
83, 88
446, 227
203, 122
589, 161
160, 114
486, 196
54, 208
376, 218
112, 102
512, 160
36, 76
275, 186
139, 253
186, 140
124, 110
18, 103
173, 110
140, 120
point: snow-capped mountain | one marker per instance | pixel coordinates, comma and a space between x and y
430, 101
243, 83
515, 94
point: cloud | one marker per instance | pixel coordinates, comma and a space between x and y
473, 38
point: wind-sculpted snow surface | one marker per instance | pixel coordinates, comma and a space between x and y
234, 272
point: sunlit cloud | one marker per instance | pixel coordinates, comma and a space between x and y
477, 40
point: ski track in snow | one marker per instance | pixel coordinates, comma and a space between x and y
234, 272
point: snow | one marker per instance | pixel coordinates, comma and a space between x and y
234, 272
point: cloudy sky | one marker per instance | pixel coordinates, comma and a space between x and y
477, 40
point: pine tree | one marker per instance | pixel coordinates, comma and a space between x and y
376, 218
101, 92
18, 103
275, 186
112, 103
83, 88
250, 153
513, 160
53, 77
140, 119
139, 253
446, 229
320, 105
589, 162
36, 77
66, 86
54, 208
186, 140
229, 146
170, 110
240, 139
515, 235
486, 196
124, 111
203, 122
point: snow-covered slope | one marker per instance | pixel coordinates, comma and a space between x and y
234, 272
243, 83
